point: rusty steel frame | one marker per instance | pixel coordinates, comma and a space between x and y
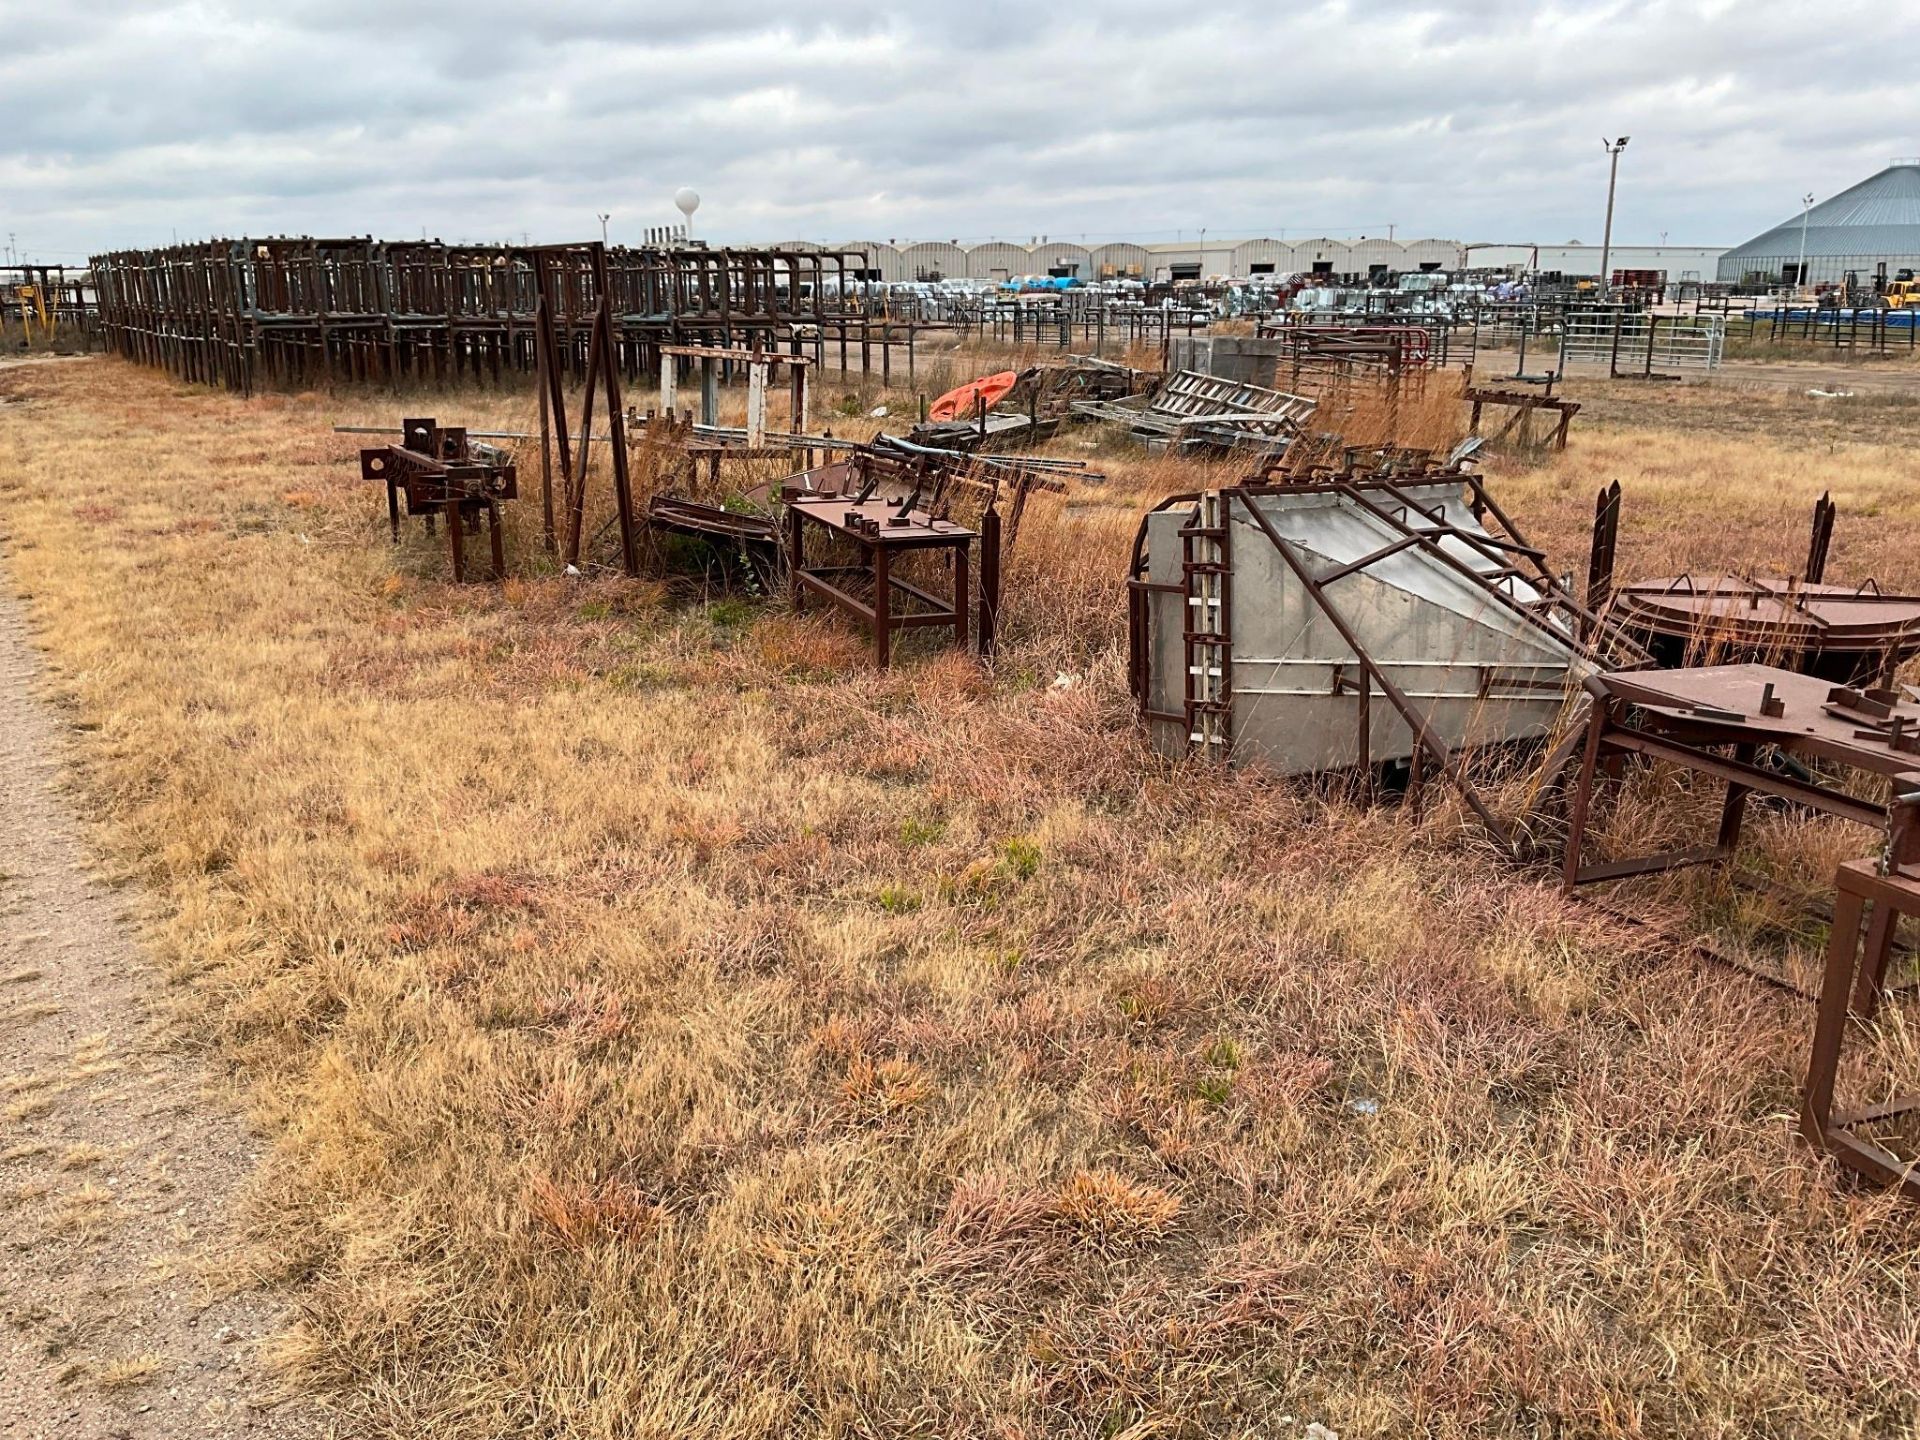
937, 478
1356, 344
1851, 990
55, 299
288, 311
1524, 404
576, 275
1606, 542
1821, 540
1334, 361
439, 473
759, 365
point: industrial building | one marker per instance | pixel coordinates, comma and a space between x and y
1871, 229
1203, 258
1679, 263
1240, 259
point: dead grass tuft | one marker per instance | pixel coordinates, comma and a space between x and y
880, 1090
579, 1216
1113, 1212
130, 1372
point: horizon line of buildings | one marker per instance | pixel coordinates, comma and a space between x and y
1363, 258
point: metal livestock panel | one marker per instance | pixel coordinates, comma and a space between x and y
1641, 342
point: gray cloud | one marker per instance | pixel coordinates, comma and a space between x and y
479, 119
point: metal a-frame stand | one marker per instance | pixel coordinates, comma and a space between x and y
566, 269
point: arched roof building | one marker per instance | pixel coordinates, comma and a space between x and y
932, 260
882, 258
1367, 256
1003, 260
1321, 255
1433, 255
1120, 261
1873, 224
1262, 257
997, 260
1059, 255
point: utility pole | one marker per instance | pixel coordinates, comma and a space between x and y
1800, 270
1613, 149
603, 225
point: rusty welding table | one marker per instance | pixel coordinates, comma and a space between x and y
1855, 979
881, 533
1686, 716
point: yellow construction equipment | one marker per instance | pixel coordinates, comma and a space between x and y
33, 305
1903, 294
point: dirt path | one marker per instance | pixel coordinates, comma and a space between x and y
118, 1168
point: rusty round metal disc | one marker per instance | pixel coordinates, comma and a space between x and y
1828, 627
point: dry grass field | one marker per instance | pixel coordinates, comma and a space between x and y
671, 1027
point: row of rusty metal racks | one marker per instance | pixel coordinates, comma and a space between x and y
240, 313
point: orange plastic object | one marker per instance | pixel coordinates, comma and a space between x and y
958, 404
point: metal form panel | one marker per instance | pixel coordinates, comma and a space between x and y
300, 311
1479, 669
1346, 624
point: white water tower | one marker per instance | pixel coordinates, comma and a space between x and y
687, 200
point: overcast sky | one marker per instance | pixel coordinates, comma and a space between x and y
971, 119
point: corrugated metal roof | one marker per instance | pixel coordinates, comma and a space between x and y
1879, 216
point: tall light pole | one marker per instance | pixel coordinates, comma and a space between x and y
1800, 270
603, 225
1613, 148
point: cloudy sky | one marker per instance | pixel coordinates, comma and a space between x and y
971, 119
